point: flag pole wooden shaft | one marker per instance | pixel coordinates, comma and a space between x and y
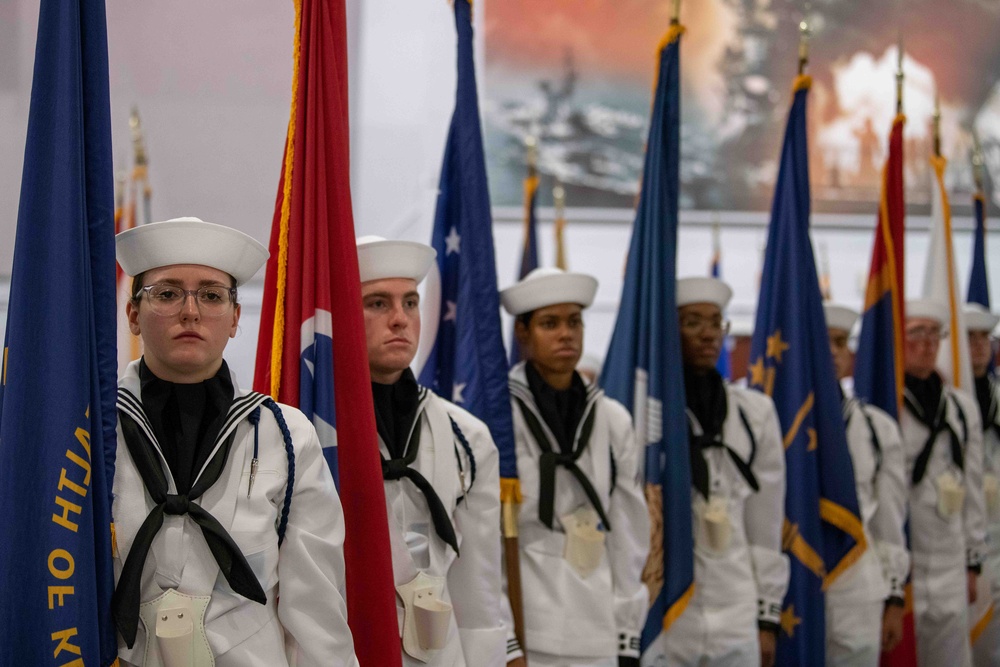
937, 126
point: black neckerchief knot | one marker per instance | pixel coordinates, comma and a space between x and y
232, 563
919, 399
391, 401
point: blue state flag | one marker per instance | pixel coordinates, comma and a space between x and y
643, 369
57, 386
790, 350
467, 363
979, 286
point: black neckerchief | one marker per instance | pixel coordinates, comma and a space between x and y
927, 392
395, 413
395, 410
186, 419
562, 409
984, 396
924, 400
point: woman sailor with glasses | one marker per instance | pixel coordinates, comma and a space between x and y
221, 496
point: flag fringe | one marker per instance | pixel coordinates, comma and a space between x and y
802, 82
278, 339
678, 607
939, 164
510, 490
982, 624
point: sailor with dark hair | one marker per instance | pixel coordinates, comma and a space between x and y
442, 479
583, 526
221, 496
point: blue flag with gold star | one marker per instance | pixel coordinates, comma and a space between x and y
467, 363
791, 362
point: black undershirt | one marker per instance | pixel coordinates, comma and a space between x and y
706, 399
186, 419
562, 409
984, 395
927, 392
395, 410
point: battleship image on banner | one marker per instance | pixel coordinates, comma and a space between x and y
578, 76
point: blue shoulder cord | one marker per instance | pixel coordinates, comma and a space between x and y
468, 451
254, 418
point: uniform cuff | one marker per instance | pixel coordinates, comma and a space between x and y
628, 645
768, 626
627, 661
974, 559
514, 650
768, 612
895, 601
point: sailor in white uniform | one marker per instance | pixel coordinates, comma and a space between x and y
442, 479
737, 501
583, 525
221, 496
943, 443
864, 605
985, 618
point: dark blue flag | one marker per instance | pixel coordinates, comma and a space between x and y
529, 250
790, 350
57, 388
467, 363
723, 364
979, 286
643, 369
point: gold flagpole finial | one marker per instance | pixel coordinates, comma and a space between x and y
978, 162
675, 13
531, 144
559, 199
937, 126
138, 145
804, 34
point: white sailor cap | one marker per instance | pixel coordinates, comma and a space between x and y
547, 287
703, 290
978, 318
928, 310
190, 241
839, 317
380, 258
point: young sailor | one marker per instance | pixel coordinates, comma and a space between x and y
985, 621
864, 606
943, 443
583, 525
221, 496
442, 479
737, 501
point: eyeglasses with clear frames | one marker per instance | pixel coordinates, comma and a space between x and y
697, 325
925, 335
168, 300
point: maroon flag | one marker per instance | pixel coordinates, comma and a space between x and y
312, 277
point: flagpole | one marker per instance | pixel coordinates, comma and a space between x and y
140, 172
937, 126
977, 163
559, 199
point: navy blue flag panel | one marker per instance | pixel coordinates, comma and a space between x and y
57, 389
643, 369
791, 362
467, 363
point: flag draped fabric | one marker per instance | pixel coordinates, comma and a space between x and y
312, 331
941, 285
979, 285
467, 363
722, 365
643, 369
791, 362
529, 249
58, 377
878, 366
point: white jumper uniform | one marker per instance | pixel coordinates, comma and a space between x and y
469, 488
307, 624
578, 616
986, 622
856, 600
743, 584
943, 545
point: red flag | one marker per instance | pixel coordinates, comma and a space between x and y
312, 276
